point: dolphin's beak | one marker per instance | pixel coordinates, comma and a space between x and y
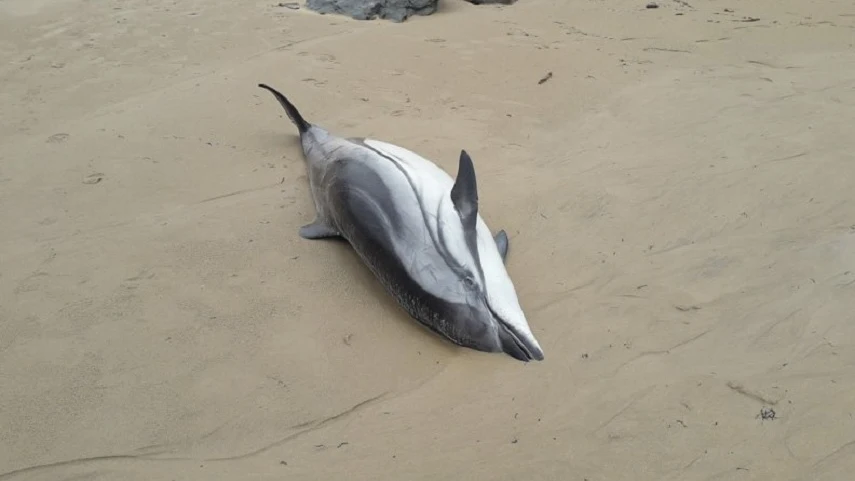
517, 346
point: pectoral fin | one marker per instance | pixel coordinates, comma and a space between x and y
318, 230
501, 239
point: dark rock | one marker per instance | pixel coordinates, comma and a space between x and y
395, 10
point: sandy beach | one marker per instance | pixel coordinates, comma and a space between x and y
678, 186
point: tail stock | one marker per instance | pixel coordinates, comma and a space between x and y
292, 111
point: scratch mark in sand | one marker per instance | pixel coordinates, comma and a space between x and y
789, 157
773, 325
238, 192
80, 462
750, 394
312, 426
665, 351
658, 49
624, 408
692, 462
833, 453
151, 456
309, 41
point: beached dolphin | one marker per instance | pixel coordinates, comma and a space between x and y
420, 234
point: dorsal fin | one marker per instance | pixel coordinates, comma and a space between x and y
464, 194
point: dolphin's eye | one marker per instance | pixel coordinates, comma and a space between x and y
469, 282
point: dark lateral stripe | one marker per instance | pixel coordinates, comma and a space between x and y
439, 243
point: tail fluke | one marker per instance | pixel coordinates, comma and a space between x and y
292, 111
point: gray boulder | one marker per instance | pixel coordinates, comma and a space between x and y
395, 10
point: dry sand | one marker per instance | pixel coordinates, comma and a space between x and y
679, 198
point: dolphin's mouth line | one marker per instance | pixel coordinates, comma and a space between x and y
510, 329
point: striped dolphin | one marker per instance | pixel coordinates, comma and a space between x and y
419, 232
